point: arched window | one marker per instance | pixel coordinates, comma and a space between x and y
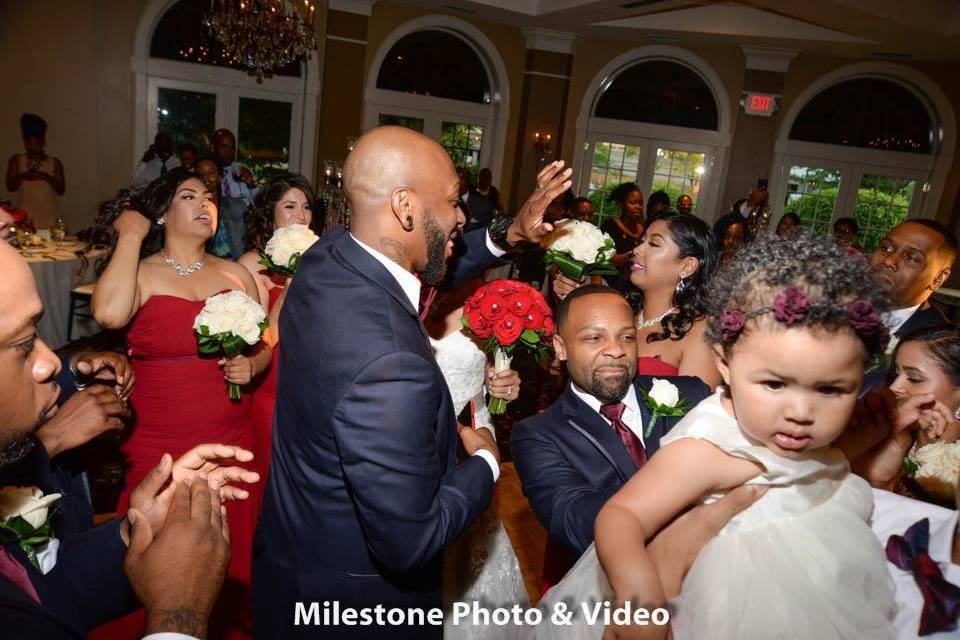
655, 116
186, 87
865, 145
442, 77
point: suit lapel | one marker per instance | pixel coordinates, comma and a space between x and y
601, 435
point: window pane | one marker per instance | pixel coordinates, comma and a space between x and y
660, 92
400, 121
883, 202
435, 63
613, 163
464, 143
188, 117
868, 112
679, 173
181, 35
263, 136
812, 194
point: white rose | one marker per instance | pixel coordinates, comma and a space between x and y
232, 312
664, 393
27, 502
938, 469
287, 241
580, 239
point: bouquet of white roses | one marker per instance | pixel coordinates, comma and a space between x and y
25, 519
229, 322
936, 469
579, 248
286, 246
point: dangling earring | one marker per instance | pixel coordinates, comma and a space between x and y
681, 285
160, 222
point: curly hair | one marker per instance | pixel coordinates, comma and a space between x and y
827, 280
621, 191
694, 239
259, 218
151, 202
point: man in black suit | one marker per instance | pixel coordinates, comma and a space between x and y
364, 490
477, 209
911, 262
575, 455
178, 543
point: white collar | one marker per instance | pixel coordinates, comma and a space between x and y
465, 196
629, 399
896, 318
407, 281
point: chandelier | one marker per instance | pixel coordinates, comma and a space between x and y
262, 35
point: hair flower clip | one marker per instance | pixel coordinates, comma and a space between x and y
731, 324
791, 305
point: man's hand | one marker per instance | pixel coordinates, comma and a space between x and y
152, 500
528, 224
246, 176
106, 366
562, 285
84, 416
675, 547
149, 154
476, 439
177, 572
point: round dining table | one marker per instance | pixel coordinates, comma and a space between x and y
58, 269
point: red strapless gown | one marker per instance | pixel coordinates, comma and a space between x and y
264, 399
651, 366
180, 400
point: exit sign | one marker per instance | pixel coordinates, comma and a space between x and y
758, 104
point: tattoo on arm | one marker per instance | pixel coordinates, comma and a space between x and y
393, 250
185, 621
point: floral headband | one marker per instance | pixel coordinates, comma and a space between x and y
792, 305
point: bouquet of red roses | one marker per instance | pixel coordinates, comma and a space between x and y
506, 315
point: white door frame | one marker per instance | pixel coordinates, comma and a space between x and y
302, 92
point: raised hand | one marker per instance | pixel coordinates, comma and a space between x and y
528, 224
132, 224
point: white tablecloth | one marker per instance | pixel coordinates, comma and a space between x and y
56, 270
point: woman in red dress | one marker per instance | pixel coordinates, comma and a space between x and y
154, 285
669, 268
286, 199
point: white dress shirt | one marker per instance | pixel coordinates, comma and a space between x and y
147, 172
169, 635
632, 416
896, 318
411, 288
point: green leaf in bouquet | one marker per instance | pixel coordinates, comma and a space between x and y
530, 336
910, 467
295, 262
568, 266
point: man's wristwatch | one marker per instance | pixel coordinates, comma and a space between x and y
497, 229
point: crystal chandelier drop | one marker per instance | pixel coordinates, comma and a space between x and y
262, 35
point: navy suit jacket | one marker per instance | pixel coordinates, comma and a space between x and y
478, 210
87, 587
364, 492
570, 461
875, 379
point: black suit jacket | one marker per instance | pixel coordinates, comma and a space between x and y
571, 461
87, 587
875, 379
364, 492
478, 210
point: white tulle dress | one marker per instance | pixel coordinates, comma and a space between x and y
481, 565
799, 564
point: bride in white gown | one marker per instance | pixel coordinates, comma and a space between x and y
481, 565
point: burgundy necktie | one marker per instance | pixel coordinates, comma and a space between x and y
614, 413
16, 573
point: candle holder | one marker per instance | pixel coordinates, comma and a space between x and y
544, 150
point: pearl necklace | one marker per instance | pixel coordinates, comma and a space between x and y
644, 324
181, 270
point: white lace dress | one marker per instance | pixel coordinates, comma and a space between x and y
481, 565
799, 564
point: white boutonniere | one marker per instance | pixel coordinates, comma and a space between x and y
25, 517
663, 399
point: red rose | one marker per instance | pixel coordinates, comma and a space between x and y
507, 329
493, 306
533, 319
478, 324
521, 303
548, 327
